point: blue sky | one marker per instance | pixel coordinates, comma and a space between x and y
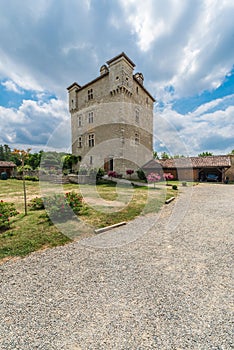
185, 50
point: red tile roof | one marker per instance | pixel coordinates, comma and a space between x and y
197, 162
4, 164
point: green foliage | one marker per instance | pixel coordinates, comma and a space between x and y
100, 174
174, 187
31, 178
36, 204
83, 171
68, 161
7, 210
177, 156
50, 160
34, 160
26, 168
59, 206
5, 153
155, 155
141, 175
205, 154
164, 155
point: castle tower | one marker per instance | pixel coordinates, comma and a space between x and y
112, 118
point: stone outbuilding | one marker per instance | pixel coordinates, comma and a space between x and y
7, 167
192, 168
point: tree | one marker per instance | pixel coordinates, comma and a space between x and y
205, 154
34, 160
5, 153
22, 155
167, 177
232, 152
69, 160
155, 155
164, 155
153, 177
177, 156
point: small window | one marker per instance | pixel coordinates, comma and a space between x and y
80, 141
137, 90
91, 160
90, 117
91, 140
147, 100
137, 116
90, 94
117, 78
137, 138
79, 121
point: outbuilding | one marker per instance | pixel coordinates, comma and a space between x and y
192, 168
198, 168
7, 167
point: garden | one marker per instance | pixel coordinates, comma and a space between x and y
96, 205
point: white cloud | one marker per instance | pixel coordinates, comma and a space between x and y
195, 132
186, 45
33, 123
182, 48
11, 86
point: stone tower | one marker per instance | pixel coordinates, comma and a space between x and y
112, 118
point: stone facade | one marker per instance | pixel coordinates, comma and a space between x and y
112, 118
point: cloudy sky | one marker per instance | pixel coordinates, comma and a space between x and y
185, 50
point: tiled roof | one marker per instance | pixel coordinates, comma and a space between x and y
197, 162
152, 164
4, 164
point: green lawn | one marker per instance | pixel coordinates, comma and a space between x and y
104, 204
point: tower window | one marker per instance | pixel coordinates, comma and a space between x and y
137, 116
90, 94
91, 160
90, 117
80, 121
91, 140
137, 89
137, 138
80, 141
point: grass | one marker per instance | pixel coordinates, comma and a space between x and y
104, 205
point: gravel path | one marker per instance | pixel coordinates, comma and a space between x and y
163, 288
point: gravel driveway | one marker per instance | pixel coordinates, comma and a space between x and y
166, 288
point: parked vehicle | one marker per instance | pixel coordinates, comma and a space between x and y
212, 177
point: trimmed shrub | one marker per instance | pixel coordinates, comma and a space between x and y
36, 204
59, 206
7, 210
174, 187
112, 174
141, 175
